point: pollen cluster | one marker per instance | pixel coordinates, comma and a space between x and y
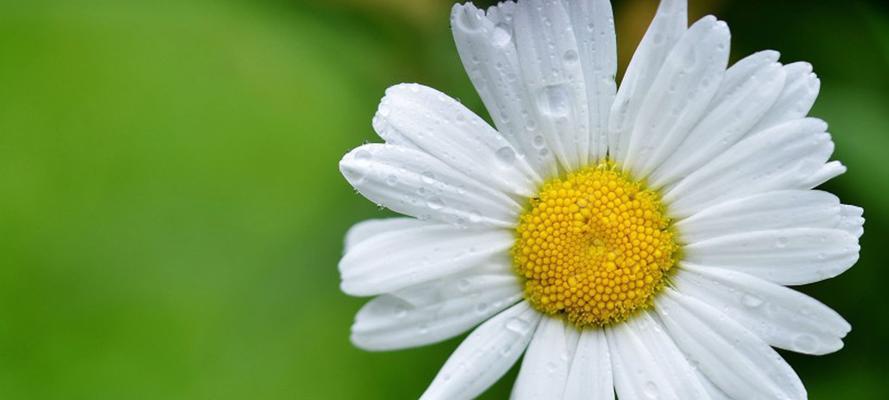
594, 247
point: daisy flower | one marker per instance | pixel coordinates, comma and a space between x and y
634, 240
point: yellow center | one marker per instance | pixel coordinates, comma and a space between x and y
595, 247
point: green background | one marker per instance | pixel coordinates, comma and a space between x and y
171, 212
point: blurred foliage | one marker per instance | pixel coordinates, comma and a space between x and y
171, 214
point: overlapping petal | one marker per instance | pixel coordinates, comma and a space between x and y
640, 349
545, 368
779, 315
416, 254
486, 354
437, 310
731, 357
590, 375
780, 209
782, 157
679, 95
748, 90
666, 28
425, 119
414, 183
794, 256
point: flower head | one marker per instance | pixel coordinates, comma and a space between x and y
635, 240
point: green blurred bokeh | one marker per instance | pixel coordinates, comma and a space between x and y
171, 213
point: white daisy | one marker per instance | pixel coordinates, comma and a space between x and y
634, 240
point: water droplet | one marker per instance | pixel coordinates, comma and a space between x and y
570, 56
506, 155
781, 242
391, 180
501, 37
518, 325
470, 19
355, 176
554, 100
435, 203
551, 367
481, 307
805, 343
400, 310
363, 155
538, 141
751, 301
464, 284
428, 177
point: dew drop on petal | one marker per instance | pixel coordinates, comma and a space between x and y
805, 343
363, 155
781, 242
518, 325
506, 155
570, 56
554, 101
435, 203
501, 37
751, 301
428, 177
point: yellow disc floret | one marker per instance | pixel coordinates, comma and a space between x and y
595, 246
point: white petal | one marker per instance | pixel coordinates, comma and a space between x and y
407, 257
487, 48
414, 183
827, 172
544, 369
779, 315
746, 68
593, 24
423, 118
795, 256
679, 95
486, 354
367, 229
435, 311
669, 24
590, 375
797, 97
647, 364
550, 65
852, 220
713, 392
783, 157
764, 211
733, 358
749, 88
